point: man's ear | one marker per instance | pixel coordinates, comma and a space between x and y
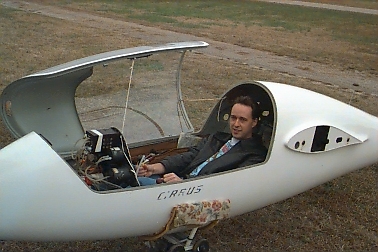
254, 122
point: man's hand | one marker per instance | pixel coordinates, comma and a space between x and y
146, 170
171, 177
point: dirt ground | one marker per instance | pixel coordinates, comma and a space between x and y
339, 215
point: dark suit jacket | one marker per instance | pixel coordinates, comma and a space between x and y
245, 152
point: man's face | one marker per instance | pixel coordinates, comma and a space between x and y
241, 122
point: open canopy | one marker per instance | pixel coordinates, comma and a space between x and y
149, 77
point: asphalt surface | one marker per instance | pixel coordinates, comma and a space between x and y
325, 6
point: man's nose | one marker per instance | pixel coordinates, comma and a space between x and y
237, 122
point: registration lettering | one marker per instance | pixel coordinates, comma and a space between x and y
179, 192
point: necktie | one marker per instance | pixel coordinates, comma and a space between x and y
226, 147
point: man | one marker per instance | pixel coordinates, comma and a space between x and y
219, 152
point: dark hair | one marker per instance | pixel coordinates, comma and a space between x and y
248, 101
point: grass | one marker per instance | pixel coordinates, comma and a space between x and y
290, 18
332, 31
339, 215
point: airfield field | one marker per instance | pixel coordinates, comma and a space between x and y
340, 215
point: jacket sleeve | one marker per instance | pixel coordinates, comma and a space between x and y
179, 162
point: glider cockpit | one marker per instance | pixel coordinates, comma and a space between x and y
101, 158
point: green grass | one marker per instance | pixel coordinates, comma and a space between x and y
350, 27
6, 12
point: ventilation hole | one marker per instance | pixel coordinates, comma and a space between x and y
296, 145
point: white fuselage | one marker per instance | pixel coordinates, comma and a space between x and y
42, 198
